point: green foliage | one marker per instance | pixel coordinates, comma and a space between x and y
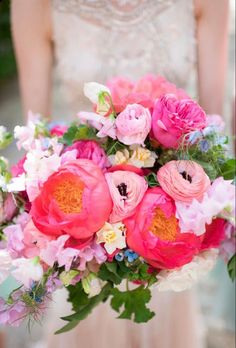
6, 141
112, 146
232, 267
152, 180
228, 169
132, 304
143, 274
113, 271
84, 307
81, 132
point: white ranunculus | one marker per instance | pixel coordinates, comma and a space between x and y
5, 265
184, 277
27, 270
93, 89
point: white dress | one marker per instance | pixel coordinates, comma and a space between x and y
95, 40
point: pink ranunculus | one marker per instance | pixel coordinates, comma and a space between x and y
133, 124
127, 190
153, 232
173, 118
58, 130
90, 150
183, 180
75, 201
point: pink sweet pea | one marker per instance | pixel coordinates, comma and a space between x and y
91, 150
173, 118
127, 190
153, 232
58, 130
74, 201
133, 124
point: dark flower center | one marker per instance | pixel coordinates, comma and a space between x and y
122, 188
186, 176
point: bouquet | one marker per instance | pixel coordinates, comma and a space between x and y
137, 194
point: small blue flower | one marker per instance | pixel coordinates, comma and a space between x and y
131, 255
119, 257
209, 130
194, 136
204, 145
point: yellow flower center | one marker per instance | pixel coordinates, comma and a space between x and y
68, 195
163, 227
109, 236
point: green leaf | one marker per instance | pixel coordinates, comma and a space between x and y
208, 168
228, 169
86, 309
132, 304
152, 180
81, 132
109, 272
113, 146
232, 267
77, 296
7, 140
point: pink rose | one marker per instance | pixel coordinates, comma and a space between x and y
127, 190
173, 118
133, 124
153, 232
75, 201
183, 180
90, 150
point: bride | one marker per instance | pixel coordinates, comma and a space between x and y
93, 40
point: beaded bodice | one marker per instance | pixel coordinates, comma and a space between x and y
98, 39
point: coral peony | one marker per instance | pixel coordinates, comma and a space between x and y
173, 118
92, 151
75, 201
183, 180
153, 232
133, 124
127, 190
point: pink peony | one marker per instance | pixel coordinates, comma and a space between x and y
75, 201
183, 180
133, 124
173, 118
153, 232
92, 151
127, 190
215, 234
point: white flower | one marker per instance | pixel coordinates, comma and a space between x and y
3, 183
93, 89
120, 157
17, 184
113, 236
183, 278
142, 157
3, 131
5, 265
27, 270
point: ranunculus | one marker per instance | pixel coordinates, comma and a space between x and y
153, 232
92, 151
173, 118
183, 180
75, 201
127, 190
133, 124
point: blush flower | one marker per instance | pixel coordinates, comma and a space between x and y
173, 118
127, 190
183, 180
153, 232
133, 124
75, 201
113, 237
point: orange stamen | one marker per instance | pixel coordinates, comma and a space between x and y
68, 195
163, 227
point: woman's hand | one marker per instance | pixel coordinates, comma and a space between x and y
31, 27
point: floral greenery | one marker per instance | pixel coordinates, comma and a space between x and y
232, 267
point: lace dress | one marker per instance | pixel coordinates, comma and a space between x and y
95, 40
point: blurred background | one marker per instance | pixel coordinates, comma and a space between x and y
217, 293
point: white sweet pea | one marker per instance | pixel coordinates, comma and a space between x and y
113, 237
93, 89
27, 270
185, 277
5, 265
17, 184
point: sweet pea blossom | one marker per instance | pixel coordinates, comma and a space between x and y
113, 237
104, 125
127, 190
92, 90
133, 124
5, 264
26, 134
27, 270
219, 200
185, 277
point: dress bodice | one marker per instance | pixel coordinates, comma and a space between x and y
97, 39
